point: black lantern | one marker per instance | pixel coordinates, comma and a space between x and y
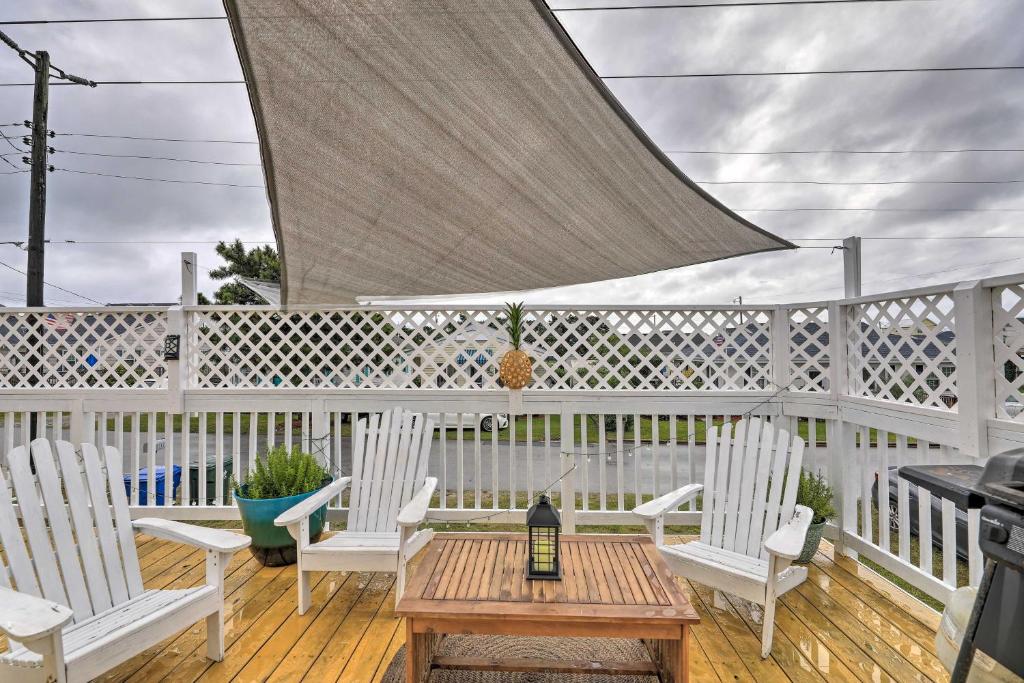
172, 347
543, 524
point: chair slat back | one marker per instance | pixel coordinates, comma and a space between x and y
19, 564
389, 464
750, 482
122, 519
44, 557
82, 556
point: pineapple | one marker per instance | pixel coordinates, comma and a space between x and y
515, 368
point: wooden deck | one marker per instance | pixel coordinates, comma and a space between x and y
844, 624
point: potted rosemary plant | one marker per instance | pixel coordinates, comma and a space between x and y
814, 492
279, 481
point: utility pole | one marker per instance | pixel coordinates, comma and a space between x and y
44, 71
37, 194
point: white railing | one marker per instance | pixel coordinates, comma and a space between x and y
108, 348
932, 375
1008, 338
725, 348
904, 349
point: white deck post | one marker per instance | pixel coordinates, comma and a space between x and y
838, 432
567, 461
975, 372
780, 348
852, 269
189, 278
177, 323
177, 370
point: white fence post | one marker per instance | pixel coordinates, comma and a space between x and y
780, 348
189, 278
177, 370
839, 434
567, 461
975, 372
78, 430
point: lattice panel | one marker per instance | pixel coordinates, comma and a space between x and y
808, 349
1008, 329
630, 349
83, 350
904, 350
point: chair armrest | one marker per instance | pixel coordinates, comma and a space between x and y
788, 541
653, 509
26, 617
300, 511
216, 540
415, 511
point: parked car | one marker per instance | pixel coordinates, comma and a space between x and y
936, 505
469, 420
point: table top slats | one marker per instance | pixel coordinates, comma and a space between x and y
602, 575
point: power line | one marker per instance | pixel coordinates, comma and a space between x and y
31, 22
721, 74
138, 137
913, 275
916, 239
51, 71
846, 151
767, 3
968, 266
18, 243
858, 182
50, 284
820, 72
156, 158
20, 170
706, 5
16, 151
155, 180
881, 210
218, 82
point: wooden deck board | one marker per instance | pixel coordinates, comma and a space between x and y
845, 623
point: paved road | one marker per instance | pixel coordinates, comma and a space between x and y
543, 465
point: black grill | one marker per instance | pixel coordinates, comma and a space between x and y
997, 621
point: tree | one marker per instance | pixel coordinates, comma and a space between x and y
260, 263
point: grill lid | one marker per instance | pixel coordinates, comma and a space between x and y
1002, 480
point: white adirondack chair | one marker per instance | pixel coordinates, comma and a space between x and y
389, 496
77, 606
751, 529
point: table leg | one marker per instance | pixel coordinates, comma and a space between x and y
419, 653
684, 655
672, 657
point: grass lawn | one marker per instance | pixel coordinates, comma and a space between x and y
962, 570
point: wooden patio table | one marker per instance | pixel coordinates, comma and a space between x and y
612, 586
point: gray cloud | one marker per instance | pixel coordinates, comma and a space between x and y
871, 111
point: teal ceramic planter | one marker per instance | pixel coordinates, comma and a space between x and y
272, 545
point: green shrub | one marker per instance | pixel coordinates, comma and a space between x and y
814, 492
280, 474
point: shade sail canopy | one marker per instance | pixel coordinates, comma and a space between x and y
431, 147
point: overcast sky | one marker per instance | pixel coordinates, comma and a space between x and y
860, 112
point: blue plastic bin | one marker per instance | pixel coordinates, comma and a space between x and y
161, 475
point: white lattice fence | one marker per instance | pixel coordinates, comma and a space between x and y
808, 349
1008, 342
112, 349
725, 349
904, 350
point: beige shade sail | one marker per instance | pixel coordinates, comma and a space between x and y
432, 147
